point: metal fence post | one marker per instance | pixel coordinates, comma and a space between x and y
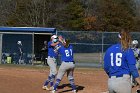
1, 35
102, 54
33, 55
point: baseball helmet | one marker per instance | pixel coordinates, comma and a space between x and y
18, 42
135, 42
54, 36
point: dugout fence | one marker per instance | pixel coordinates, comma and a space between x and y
89, 46
32, 39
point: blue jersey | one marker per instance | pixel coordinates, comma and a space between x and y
66, 53
118, 62
51, 52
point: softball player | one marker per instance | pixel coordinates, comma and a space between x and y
136, 51
119, 64
51, 60
67, 65
20, 52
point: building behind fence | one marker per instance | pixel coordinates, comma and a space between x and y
89, 46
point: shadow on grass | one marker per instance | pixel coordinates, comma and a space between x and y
68, 85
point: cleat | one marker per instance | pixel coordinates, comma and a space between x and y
45, 88
52, 88
74, 91
53, 91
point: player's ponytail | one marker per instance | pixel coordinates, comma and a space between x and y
67, 43
125, 39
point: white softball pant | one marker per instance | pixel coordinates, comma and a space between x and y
52, 64
119, 84
66, 67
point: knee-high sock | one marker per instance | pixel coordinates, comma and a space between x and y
52, 80
72, 84
56, 84
47, 81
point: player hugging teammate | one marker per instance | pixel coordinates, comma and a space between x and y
65, 49
51, 60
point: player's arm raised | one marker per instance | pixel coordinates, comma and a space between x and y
54, 44
62, 40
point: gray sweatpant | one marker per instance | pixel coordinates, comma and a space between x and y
66, 67
52, 64
119, 84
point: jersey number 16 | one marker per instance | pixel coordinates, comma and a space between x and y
118, 61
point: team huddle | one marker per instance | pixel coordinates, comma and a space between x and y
59, 46
121, 66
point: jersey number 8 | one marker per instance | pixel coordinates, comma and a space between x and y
118, 61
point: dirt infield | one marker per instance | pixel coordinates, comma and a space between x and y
25, 80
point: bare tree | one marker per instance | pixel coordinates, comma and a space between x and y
6, 8
35, 13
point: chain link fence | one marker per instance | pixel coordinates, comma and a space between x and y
90, 46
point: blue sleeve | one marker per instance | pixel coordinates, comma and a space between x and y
130, 57
132, 63
72, 48
59, 50
49, 44
133, 71
107, 62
